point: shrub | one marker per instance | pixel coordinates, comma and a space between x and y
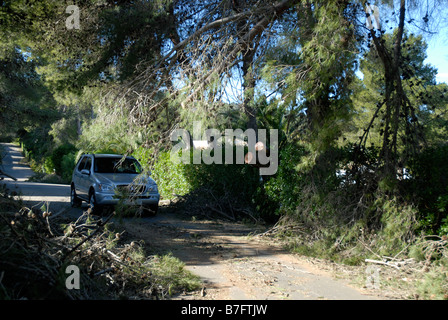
227, 188
67, 165
428, 187
57, 157
279, 194
48, 166
170, 273
435, 284
170, 177
146, 156
399, 225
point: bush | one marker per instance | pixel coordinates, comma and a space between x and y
57, 157
398, 226
279, 194
428, 188
227, 188
179, 178
170, 177
145, 156
48, 166
35, 143
338, 216
435, 284
67, 165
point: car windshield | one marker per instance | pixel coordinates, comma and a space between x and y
117, 165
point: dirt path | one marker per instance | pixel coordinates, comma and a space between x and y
235, 265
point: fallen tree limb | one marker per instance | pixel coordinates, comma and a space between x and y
220, 212
100, 227
386, 263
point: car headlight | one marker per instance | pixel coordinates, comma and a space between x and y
152, 188
105, 187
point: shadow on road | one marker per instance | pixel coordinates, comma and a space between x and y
32, 194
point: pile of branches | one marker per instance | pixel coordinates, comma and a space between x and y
38, 252
203, 202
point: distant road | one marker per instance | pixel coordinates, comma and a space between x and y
32, 193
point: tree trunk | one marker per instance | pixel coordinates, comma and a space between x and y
395, 99
248, 91
248, 53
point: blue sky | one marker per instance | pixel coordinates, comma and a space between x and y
438, 54
417, 12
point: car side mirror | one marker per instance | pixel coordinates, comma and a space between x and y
85, 171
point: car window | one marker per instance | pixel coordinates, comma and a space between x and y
82, 163
117, 165
88, 165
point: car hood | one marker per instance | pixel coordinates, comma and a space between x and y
123, 178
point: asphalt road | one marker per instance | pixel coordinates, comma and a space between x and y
56, 196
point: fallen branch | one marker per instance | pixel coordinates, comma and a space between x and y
386, 263
103, 271
220, 212
281, 228
101, 224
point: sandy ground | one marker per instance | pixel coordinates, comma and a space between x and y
236, 264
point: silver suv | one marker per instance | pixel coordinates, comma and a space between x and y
105, 179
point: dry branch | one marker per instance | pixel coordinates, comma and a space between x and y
210, 51
35, 254
386, 263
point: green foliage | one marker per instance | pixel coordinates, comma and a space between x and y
428, 188
434, 286
398, 226
339, 214
331, 123
169, 272
280, 192
68, 165
238, 181
60, 160
170, 177
433, 250
64, 131
146, 156
48, 166
57, 163
24, 99
35, 144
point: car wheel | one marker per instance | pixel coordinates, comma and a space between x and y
74, 200
94, 207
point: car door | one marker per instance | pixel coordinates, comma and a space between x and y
81, 179
85, 177
77, 176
